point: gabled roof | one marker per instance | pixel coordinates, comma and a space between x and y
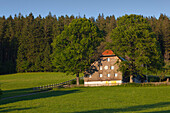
108, 52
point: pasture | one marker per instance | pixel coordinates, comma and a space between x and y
80, 99
21, 83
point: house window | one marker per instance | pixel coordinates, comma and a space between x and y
106, 67
108, 59
100, 75
112, 67
89, 76
100, 67
115, 74
108, 75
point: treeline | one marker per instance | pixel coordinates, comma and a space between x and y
25, 42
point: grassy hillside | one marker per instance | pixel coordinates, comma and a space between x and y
27, 80
81, 100
21, 83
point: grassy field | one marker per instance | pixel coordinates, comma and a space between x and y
21, 83
89, 99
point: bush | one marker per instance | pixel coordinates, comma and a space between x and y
136, 85
74, 81
132, 85
140, 85
153, 79
166, 79
82, 81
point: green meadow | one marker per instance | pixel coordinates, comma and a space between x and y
21, 83
79, 99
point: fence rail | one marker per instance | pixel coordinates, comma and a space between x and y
50, 86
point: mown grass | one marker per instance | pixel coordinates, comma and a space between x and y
21, 83
92, 100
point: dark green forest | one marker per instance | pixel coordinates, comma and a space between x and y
26, 41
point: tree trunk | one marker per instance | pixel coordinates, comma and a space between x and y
77, 75
131, 78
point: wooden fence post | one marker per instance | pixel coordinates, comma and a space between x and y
131, 78
167, 80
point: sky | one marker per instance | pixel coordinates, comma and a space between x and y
90, 8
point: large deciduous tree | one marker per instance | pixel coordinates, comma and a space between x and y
74, 48
134, 40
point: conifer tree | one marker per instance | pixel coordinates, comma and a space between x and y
38, 45
2, 21
24, 59
25, 42
48, 36
61, 23
101, 24
164, 23
92, 19
10, 46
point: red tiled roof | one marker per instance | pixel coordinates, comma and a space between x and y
108, 52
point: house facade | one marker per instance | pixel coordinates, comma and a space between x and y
104, 71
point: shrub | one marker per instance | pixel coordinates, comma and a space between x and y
82, 81
74, 81
131, 85
153, 79
140, 85
166, 79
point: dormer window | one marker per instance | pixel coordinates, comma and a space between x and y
108, 59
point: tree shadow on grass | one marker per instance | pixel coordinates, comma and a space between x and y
9, 109
132, 109
36, 95
9, 93
165, 111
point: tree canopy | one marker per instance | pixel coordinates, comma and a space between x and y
134, 40
74, 48
25, 41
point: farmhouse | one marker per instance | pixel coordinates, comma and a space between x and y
104, 71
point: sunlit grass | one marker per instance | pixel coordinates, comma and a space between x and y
93, 100
81, 100
21, 83
28, 80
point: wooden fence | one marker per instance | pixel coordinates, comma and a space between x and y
50, 86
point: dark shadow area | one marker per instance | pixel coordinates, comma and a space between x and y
9, 93
131, 109
9, 109
36, 95
5, 107
93, 68
165, 111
